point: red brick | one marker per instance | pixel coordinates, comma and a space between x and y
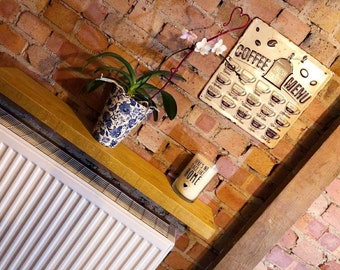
11, 39
289, 239
309, 252
66, 50
226, 167
91, 38
208, 6
260, 161
212, 184
200, 63
152, 139
240, 177
175, 155
147, 17
78, 5
318, 206
182, 13
333, 191
330, 241
8, 9
182, 242
325, 16
169, 37
333, 265
193, 83
133, 38
190, 139
253, 185
283, 150
95, 12
230, 196
201, 254
41, 59
267, 10
35, 6
209, 200
61, 16
34, 27
279, 257
176, 261
202, 120
120, 5
223, 219
332, 216
291, 27
319, 47
232, 141
316, 229
302, 222
299, 4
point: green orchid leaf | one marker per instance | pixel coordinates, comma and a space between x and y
127, 65
169, 104
93, 85
117, 70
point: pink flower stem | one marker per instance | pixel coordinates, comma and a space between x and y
173, 71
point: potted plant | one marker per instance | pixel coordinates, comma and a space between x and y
130, 100
131, 97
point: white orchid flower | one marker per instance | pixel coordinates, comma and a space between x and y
188, 35
203, 47
219, 48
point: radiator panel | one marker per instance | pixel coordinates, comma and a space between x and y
52, 219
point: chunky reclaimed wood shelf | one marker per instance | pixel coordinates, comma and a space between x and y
127, 165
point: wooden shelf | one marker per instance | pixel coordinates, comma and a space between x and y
127, 165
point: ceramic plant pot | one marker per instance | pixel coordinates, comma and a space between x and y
121, 114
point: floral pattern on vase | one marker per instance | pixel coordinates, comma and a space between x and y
120, 115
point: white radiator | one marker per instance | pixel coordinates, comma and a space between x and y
50, 218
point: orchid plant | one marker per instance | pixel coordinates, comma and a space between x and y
137, 87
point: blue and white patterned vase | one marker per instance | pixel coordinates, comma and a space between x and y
120, 115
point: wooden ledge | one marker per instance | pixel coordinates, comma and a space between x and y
127, 165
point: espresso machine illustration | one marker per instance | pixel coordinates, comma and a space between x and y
265, 83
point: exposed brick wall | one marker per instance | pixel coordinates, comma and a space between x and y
46, 38
313, 242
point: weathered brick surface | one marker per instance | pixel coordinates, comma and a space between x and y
190, 139
202, 120
8, 9
279, 257
41, 59
35, 6
291, 27
95, 12
91, 38
34, 27
260, 161
223, 218
45, 38
267, 10
314, 240
10, 39
152, 139
61, 16
324, 15
231, 196
232, 141
226, 167
176, 261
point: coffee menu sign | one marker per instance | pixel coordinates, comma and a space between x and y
265, 83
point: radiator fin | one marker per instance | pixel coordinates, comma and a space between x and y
51, 219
